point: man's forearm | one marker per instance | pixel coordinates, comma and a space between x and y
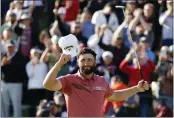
51, 76
120, 95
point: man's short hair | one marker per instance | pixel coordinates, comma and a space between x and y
86, 50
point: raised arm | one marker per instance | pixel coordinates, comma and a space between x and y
120, 95
50, 81
121, 27
164, 16
136, 19
145, 25
32, 7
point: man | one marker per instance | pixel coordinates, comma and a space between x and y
106, 16
13, 71
85, 91
165, 21
134, 76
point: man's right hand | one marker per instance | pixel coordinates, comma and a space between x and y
64, 59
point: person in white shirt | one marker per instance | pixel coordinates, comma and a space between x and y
36, 72
166, 20
95, 38
105, 16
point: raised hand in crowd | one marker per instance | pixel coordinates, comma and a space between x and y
5, 60
138, 12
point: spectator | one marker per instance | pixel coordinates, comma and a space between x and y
142, 25
107, 68
44, 39
26, 37
131, 5
163, 63
133, 72
146, 44
116, 84
87, 26
165, 99
18, 8
13, 69
6, 37
51, 55
36, 71
165, 20
60, 102
94, 39
72, 8
61, 26
118, 49
10, 23
123, 28
76, 29
105, 16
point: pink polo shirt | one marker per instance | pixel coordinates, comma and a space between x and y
85, 97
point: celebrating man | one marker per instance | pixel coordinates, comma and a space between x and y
85, 91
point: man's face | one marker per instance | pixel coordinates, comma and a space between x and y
75, 28
148, 11
107, 60
86, 63
169, 4
131, 6
107, 10
11, 49
12, 18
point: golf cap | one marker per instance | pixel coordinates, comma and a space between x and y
35, 50
69, 45
145, 39
107, 54
61, 10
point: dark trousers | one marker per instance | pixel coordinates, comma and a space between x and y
35, 96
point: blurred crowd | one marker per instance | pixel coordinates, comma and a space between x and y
30, 31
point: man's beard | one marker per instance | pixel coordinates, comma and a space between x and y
87, 71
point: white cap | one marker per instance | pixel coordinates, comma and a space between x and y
33, 50
107, 54
69, 45
61, 10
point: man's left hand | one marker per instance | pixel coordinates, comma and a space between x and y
142, 86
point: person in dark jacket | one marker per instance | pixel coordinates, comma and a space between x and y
13, 70
118, 49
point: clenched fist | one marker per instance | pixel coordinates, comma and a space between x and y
142, 86
64, 58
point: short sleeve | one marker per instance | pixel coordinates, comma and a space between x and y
109, 91
66, 84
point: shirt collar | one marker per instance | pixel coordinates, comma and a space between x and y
81, 76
